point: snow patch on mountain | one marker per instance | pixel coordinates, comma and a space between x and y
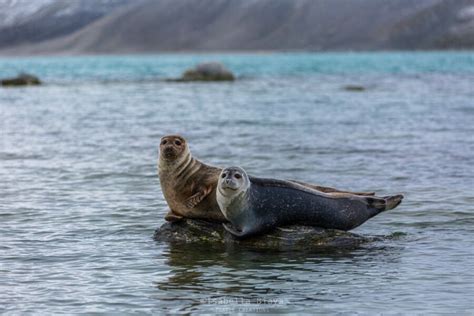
14, 12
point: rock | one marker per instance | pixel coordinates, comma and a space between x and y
212, 71
355, 88
293, 238
21, 80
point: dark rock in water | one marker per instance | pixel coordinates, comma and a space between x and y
212, 71
21, 80
355, 88
293, 238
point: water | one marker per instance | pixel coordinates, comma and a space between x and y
80, 198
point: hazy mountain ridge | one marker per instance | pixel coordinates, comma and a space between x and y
218, 25
29, 22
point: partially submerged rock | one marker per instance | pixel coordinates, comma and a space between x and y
355, 88
293, 238
21, 80
212, 71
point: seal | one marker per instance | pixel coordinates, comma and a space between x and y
189, 186
256, 205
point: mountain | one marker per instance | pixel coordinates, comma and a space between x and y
147, 26
33, 21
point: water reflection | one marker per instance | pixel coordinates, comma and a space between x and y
216, 276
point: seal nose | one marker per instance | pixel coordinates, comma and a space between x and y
169, 152
228, 181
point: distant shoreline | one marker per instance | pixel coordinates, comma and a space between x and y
228, 52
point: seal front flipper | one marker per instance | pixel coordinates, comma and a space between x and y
197, 197
234, 232
173, 217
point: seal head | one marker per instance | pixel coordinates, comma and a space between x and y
172, 148
231, 188
233, 180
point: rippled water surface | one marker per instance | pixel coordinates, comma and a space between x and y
80, 198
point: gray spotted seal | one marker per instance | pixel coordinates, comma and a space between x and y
189, 186
256, 205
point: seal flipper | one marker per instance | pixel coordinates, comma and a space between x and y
393, 201
196, 198
233, 231
240, 234
173, 217
329, 189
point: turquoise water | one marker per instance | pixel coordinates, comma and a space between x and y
151, 67
80, 199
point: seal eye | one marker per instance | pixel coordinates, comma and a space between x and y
177, 142
223, 175
164, 142
237, 176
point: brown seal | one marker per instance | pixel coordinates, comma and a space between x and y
189, 186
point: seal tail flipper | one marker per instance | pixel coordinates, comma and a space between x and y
386, 203
393, 201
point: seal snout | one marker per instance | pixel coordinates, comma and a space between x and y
169, 152
228, 182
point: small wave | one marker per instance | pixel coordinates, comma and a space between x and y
396, 235
96, 176
15, 156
